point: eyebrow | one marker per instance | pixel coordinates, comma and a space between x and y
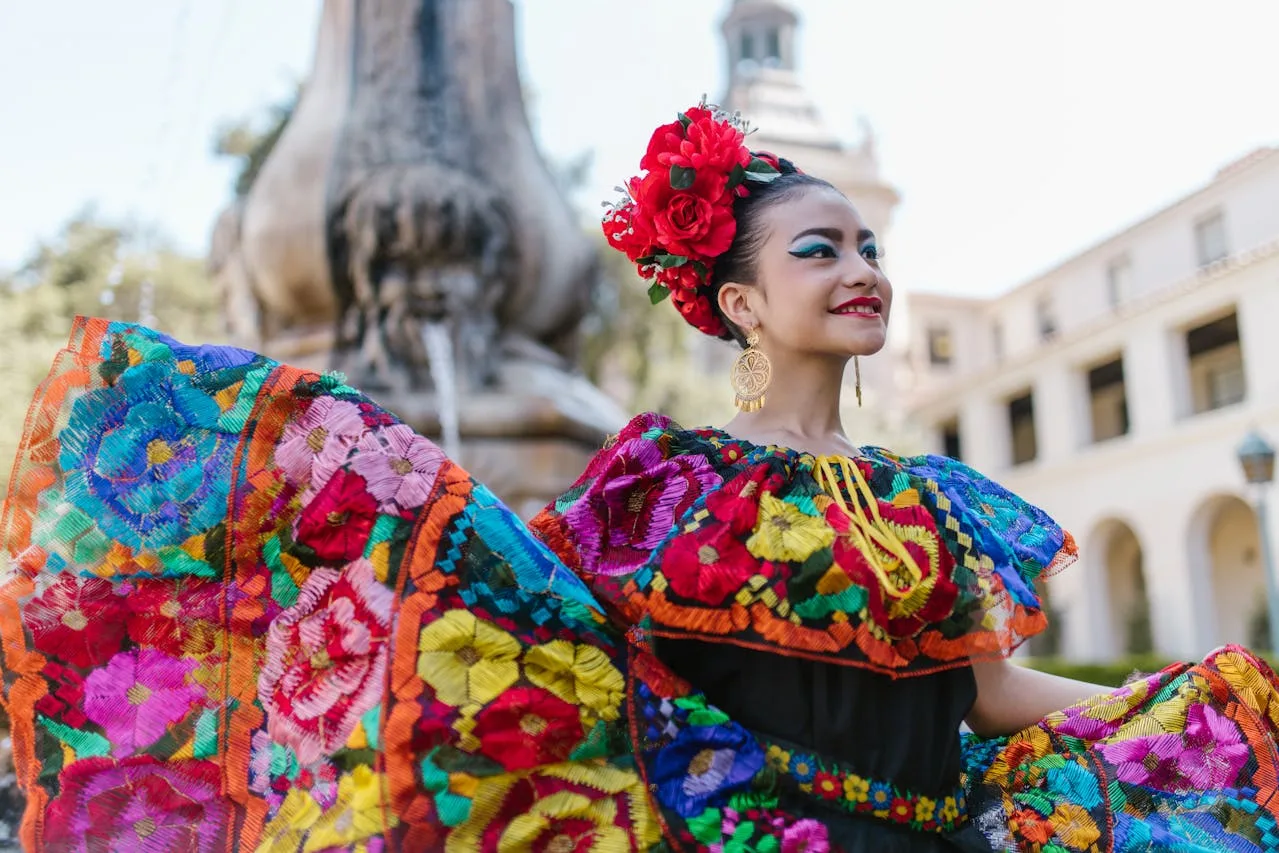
835, 235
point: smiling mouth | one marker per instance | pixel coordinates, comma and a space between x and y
861, 308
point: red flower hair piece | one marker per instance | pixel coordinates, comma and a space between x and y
677, 218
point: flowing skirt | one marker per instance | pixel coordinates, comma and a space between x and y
245, 608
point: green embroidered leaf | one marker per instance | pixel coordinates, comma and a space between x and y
706, 826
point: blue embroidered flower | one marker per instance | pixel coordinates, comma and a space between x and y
140, 459
881, 795
703, 765
803, 767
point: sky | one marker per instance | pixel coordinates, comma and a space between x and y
1018, 133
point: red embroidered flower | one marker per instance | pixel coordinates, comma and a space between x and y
697, 222
77, 620
708, 565
65, 699
180, 618
137, 803
828, 787
336, 523
902, 810
528, 726
696, 310
1032, 826
932, 597
326, 660
737, 503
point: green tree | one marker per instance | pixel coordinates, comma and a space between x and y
90, 268
251, 140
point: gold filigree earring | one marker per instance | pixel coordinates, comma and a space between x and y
857, 378
751, 373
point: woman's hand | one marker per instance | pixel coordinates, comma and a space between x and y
1011, 697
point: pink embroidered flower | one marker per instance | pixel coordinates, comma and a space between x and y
1215, 751
633, 504
400, 467
805, 836
316, 444
78, 620
138, 695
1148, 760
138, 803
326, 660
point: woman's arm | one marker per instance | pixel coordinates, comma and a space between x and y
1012, 697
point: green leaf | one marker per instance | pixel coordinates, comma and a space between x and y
685, 120
657, 292
736, 176
681, 178
761, 172
670, 262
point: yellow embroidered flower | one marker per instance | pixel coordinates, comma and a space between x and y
580, 674
784, 533
778, 758
285, 832
467, 659
856, 789
1074, 826
357, 815
949, 810
925, 809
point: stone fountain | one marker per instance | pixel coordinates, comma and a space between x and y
406, 231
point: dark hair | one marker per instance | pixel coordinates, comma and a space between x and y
741, 260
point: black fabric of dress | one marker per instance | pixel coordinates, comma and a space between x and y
904, 731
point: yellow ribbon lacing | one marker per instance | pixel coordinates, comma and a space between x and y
868, 532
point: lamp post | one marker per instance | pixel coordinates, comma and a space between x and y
1257, 457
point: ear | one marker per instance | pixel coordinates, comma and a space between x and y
735, 301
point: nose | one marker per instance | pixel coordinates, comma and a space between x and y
859, 272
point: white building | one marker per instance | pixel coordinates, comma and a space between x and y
1113, 391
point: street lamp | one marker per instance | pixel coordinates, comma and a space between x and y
1257, 457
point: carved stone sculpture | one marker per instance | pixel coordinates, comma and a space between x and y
407, 190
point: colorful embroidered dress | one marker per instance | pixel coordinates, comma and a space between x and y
244, 608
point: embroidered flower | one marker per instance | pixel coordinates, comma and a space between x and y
467, 660
400, 467
827, 786
1074, 826
77, 620
881, 796
708, 565
803, 767
737, 502
581, 674
703, 765
316, 444
778, 758
138, 695
1031, 825
925, 809
326, 660
179, 618
632, 505
933, 595
901, 810
143, 459
137, 803
336, 523
360, 812
785, 533
806, 836
856, 789
949, 810
1147, 760
1215, 751
65, 699
526, 727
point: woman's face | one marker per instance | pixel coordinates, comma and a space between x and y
819, 278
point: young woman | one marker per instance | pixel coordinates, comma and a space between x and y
248, 609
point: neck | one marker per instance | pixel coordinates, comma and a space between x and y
801, 408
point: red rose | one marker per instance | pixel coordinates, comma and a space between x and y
698, 313
696, 222
627, 232
665, 141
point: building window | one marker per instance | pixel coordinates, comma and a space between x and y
1046, 319
748, 46
1119, 281
1021, 426
1217, 376
950, 440
939, 346
772, 44
1108, 399
1210, 239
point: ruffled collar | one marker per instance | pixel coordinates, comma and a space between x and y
901, 564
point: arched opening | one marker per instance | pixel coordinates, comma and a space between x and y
1226, 546
1127, 606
